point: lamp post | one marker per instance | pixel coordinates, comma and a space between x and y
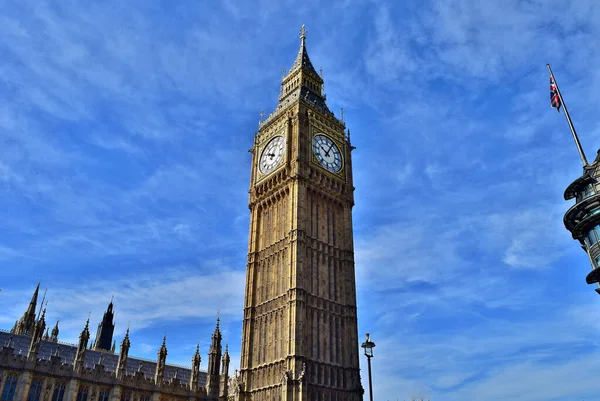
368, 345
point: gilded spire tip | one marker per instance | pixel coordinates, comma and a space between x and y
303, 34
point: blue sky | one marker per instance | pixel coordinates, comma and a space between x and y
124, 170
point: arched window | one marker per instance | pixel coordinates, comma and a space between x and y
10, 385
104, 395
35, 390
126, 395
59, 392
82, 394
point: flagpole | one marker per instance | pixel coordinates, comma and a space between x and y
575, 137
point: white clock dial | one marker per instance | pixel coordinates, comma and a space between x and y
271, 155
327, 153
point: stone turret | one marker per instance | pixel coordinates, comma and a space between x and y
214, 359
195, 369
36, 339
84, 337
54, 334
123, 354
224, 385
26, 325
161, 362
106, 328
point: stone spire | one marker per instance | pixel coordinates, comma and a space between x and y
161, 362
196, 359
302, 60
224, 386
54, 334
123, 354
36, 338
27, 323
81, 347
226, 360
106, 328
302, 83
214, 359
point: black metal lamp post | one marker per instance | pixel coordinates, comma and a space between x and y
368, 345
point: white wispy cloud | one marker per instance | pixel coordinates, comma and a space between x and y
167, 295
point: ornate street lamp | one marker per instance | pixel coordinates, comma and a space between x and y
368, 345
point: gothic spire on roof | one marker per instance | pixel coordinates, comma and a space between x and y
225, 361
26, 324
54, 334
123, 354
35, 296
161, 362
106, 329
126, 338
195, 369
163, 348
43, 300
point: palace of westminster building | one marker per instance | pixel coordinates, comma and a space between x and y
299, 330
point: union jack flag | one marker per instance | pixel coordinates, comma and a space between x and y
554, 98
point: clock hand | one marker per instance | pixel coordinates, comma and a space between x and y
326, 151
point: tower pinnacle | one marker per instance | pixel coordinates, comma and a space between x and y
26, 324
55, 331
106, 329
214, 360
123, 354
81, 347
159, 375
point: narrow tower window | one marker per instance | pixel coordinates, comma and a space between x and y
10, 385
82, 395
35, 390
59, 392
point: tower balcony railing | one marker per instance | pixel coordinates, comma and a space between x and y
581, 211
583, 227
593, 276
576, 187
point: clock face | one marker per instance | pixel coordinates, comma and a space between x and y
271, 155
327, 153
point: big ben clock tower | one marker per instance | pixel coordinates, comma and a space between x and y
299, 335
